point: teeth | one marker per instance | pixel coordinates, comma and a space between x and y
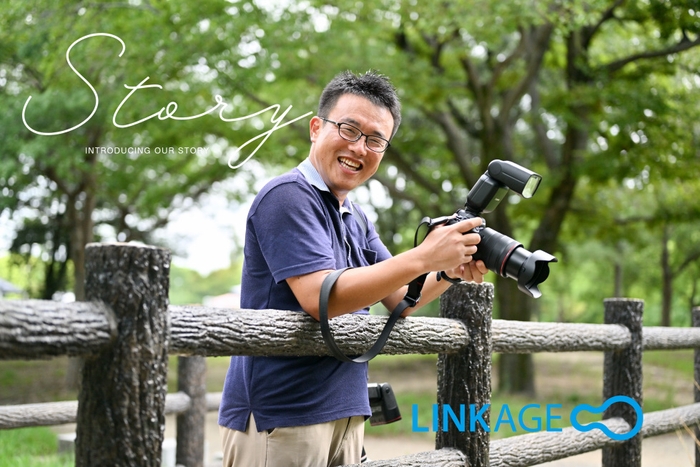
348, 163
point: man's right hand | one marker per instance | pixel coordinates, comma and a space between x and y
449, 246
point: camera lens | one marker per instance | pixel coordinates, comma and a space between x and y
506, 257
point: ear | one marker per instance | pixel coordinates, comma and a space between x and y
315, 128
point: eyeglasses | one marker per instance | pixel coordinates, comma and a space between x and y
352, 134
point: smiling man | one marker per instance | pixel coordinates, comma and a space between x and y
310, 411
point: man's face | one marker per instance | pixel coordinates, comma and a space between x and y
344, 165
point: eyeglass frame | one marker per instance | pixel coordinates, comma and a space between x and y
359, 137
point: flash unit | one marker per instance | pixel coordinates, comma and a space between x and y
500, 253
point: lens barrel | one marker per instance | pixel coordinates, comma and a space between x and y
507, 257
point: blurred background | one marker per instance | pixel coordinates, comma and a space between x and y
599, 97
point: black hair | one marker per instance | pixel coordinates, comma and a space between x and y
373, 86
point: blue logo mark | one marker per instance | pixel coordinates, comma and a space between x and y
602, 408
478, 416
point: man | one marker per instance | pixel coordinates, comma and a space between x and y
310, 411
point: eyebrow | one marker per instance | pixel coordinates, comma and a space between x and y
354, 122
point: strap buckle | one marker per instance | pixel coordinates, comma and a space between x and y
412, 301
443, 275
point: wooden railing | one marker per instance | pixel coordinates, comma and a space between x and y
126, 330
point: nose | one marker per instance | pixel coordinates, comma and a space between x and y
359, 146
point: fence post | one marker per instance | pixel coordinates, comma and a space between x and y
121, 406
191, 379
622, 375
465, 378
696, 323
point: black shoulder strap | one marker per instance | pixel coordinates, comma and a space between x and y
359, 217
410, 299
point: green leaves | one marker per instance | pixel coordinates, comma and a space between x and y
599, 97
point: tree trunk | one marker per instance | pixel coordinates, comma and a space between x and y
121, 410
516, 372
77, 256
191, 380
80, 208
464, 379
666, 281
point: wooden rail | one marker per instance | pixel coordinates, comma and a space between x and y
226, 332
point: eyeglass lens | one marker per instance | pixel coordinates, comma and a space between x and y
351, 133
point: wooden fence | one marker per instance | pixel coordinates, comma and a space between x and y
126, 330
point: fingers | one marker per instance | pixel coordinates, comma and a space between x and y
471, 239
469, 224
473, 271
449, 246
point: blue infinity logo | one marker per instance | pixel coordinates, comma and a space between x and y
616, 436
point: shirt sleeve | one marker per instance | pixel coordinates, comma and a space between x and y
293, 231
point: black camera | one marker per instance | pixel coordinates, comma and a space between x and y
500, 253
383, 404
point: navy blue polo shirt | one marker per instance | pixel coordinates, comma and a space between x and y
296, 226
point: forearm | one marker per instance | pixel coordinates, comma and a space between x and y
433, 288
358, 288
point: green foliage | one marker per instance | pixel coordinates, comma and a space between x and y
188, 287
31, 447
598, 97
29, 273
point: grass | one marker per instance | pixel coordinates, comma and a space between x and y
680, 361
567, 380
31, 447
26, 382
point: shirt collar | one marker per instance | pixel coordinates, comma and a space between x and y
312, 176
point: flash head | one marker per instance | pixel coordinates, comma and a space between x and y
517, 178
494, 184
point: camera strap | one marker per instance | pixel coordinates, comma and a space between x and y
411, 298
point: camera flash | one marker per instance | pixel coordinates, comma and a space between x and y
531, 186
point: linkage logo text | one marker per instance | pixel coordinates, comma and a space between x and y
522, 420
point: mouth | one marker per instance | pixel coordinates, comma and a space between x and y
350, 164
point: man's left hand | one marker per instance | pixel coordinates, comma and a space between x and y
473, 271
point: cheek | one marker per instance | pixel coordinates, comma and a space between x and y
373, 165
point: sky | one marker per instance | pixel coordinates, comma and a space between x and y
203, 236
207, 234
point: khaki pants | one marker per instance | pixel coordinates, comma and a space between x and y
323, 445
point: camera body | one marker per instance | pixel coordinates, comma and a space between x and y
382, 401
500, 253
